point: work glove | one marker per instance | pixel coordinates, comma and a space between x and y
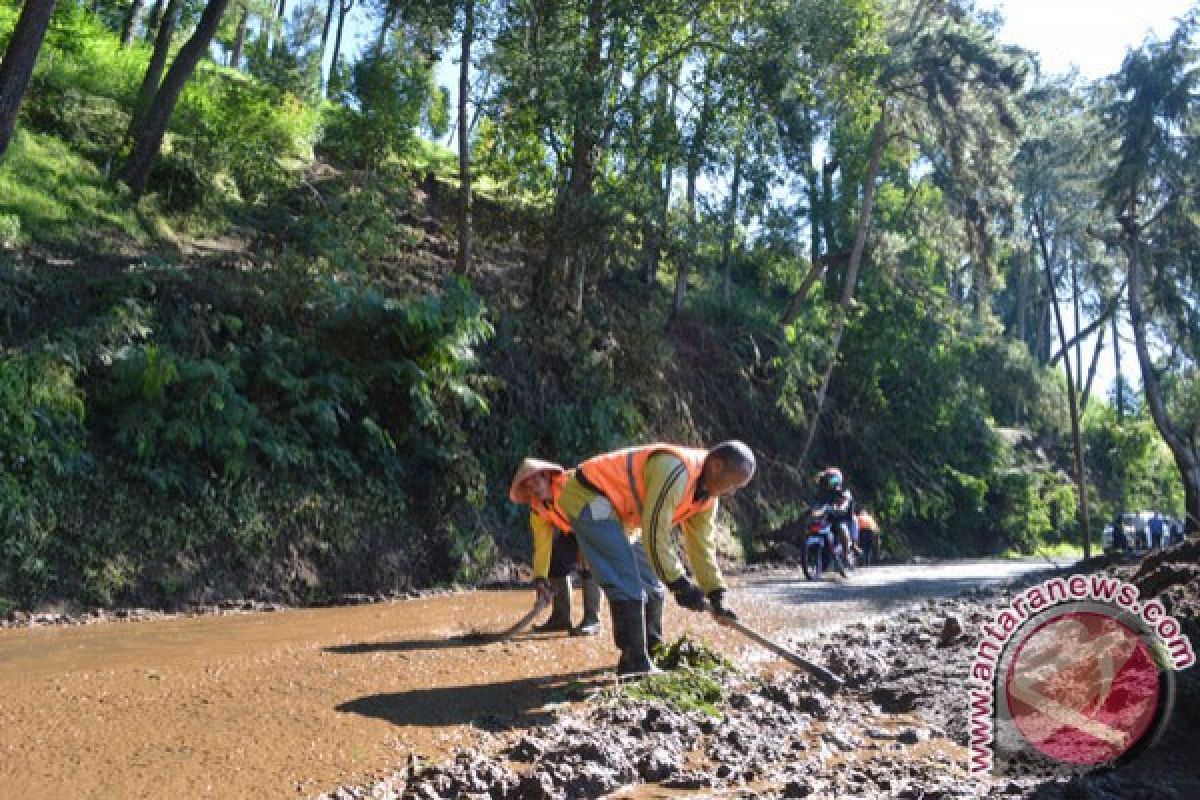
687, 594
542, 587
717, 599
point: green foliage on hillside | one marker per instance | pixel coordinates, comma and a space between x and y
164, 416
668, 204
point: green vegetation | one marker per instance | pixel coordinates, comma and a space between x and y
1060, 551
171, 419
52, 195
828, 229
692, 679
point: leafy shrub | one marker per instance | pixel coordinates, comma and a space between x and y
41, 417
10, 230
391, 93
178, 181
1032, 508
228, 123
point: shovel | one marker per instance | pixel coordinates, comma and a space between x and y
830, 683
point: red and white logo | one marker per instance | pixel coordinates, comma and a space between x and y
1083, 687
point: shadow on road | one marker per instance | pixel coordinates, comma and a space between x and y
442, 643
490, 706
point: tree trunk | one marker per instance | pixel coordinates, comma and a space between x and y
813, 193
731, 226
1074, 262
389, 19
281, 25
325, 28
1108, 310
17, 66
343, 10
239, 40
464, 140
818, 261
154, 71
149, 140
829, 236
695, 156
1186, 458
572, 226
150, 33
654, 226
1118, 379
129, 25
879, 138
1091, 374
683, 264
1072, 398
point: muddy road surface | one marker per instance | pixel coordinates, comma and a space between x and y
298, 702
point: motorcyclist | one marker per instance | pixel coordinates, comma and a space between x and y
832, 494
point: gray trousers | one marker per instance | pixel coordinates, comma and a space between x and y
619, 565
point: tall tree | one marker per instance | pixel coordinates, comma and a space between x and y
344, 8
17, 66
946, 84
697, 156
154, 70
280, 23
239, 38
1152, 190
879, 138
129, 25
330, 7
730, 228
153, 21
149, 139
1072, 395
1057, 170
464, 139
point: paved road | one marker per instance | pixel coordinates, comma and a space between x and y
790, 602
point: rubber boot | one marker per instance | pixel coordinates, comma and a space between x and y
654, 624
560, 608
590, 624
629, 634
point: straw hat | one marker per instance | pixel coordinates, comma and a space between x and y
529, 466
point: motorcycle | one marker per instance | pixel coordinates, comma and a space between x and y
822, 547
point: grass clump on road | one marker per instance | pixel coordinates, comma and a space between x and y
693, 680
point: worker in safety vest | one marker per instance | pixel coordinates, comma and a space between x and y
555, 550
656, 488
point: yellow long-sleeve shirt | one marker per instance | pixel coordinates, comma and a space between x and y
543, 544
666, 481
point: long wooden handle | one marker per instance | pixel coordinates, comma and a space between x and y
829, 682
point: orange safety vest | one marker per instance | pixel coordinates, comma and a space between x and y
621, 477
552, 512
867, 523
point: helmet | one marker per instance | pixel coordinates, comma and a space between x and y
830, 478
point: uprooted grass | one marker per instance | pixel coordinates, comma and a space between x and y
695, 678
